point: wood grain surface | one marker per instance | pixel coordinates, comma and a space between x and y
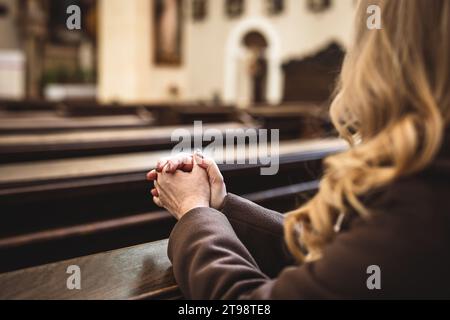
140, 162
140, 272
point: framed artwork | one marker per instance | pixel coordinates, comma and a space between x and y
317, 6
168, 19
274, 7
234, 8
199, 10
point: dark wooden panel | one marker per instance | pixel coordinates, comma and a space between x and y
294, 120
90, 109
313, 78
27, 105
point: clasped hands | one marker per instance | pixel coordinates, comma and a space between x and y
185, 182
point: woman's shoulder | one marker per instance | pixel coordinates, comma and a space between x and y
423, 194
427, 190
417, 206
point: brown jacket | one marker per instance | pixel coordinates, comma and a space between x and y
239, 253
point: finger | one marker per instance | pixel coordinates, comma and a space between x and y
187, 163
157, 188
161, 164
200, 159
174, 164
158, 202
155, 192
199, 152
152, 175
164, 171
214, 174
183, 162
197, 160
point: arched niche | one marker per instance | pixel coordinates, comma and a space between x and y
236, 52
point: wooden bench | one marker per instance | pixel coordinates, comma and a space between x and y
164, 113
27, 105
294, 120
20, 125
46, 146
102, 203
188, 113
140, 272
124, 271
136, 273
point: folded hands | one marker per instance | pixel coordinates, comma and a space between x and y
185, 182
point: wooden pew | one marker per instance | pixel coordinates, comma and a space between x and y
313, 78
27, 105
102, 203
28, 114
92, 109
19, 119
26, 178
19, 125
188, 113
136, 273
46, 146
165, 113
140, 272
294, 120
72, 108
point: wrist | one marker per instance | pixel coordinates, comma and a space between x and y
190, 205
218, 199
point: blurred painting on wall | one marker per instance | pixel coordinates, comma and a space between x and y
168, 32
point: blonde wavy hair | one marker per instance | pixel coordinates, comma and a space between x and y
391, 105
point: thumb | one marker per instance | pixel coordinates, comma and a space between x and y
213, 171
197, 161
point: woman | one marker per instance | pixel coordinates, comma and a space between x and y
382, 206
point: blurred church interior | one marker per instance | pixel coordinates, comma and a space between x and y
84, 114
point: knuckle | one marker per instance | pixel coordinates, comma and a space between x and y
218, 179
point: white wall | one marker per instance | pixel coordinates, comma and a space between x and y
126, 69
12, 60
298, 32
127, 72
12, 74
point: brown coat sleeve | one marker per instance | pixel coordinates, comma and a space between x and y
211, 262
261, 231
